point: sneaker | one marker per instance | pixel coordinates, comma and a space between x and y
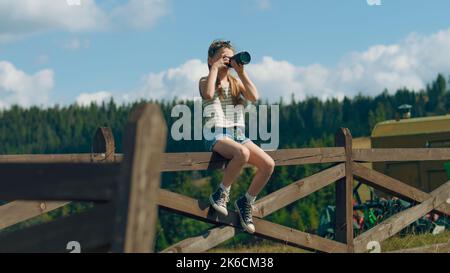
219, 200
244, 209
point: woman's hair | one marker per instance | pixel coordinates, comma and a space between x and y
215, 46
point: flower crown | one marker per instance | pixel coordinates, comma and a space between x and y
216, 45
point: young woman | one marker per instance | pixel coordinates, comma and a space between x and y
219, 91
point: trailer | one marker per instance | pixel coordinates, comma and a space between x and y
423, 132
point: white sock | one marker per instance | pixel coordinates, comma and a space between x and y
222, 186
250, 198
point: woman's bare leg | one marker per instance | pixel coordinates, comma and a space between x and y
264, 164
238, 155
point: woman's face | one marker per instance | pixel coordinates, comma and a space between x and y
225, 53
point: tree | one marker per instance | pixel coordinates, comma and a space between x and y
436, 92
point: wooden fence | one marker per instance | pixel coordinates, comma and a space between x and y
126, 191
124, 215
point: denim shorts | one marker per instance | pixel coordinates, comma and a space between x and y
235, 133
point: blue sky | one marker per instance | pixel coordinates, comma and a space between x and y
157, 48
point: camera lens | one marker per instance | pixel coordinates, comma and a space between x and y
243, 57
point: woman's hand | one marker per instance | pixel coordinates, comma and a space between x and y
238, 67
221, 62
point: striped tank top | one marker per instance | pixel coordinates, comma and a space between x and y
221, 112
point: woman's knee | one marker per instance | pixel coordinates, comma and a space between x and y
242, 154
267, 166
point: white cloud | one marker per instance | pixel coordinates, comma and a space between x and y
180, 82
140, 14
274, 79
412, 63
85, 99
17, 87
25, 17
19, 19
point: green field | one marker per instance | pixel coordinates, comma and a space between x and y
392, 244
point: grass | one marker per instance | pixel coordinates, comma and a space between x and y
391, 244
411, 241
266, 247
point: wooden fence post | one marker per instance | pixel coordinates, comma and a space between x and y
344, 192
103, 146
139, 182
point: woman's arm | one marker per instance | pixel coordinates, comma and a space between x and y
208, 87
248, 88
207, 84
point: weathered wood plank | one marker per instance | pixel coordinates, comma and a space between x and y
298, 190
92, 229
393, 186
204, 242
144, 144
58, 158
401, 154
201, 210
263, 207
282, 157
65, 181
344, 192
297, 238
399, 221
18, 211
103, 145
103, 149
194, 161
46, 158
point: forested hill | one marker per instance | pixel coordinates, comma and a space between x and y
69, 129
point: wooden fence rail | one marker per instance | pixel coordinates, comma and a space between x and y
172, 162
125, 189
